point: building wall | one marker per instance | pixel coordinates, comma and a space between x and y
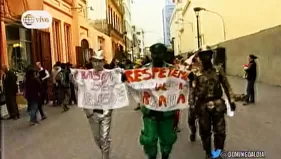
248, 26
116, 21
61, 12
241, 18
167, 13
175, 30
265, 45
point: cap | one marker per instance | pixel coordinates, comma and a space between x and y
253, 56
158, 47
99, 55
204, 49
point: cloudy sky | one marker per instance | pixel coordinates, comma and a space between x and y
147, 14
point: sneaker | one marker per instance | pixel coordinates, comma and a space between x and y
137, 108
192, 137
44, 117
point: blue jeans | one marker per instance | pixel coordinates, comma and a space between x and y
33, 108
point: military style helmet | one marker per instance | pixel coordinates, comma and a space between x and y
204, 50
158, 47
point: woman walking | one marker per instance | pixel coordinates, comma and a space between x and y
32, 94
251, 75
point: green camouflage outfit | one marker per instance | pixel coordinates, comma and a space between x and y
158, 126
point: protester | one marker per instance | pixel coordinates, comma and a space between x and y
72, 99
156, 120
251, 75
64, 87
10, 89
206, 96
100, 120
55, 72
43, 76
33, 91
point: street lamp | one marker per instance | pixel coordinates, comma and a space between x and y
197, 10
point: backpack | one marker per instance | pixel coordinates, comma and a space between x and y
64, 78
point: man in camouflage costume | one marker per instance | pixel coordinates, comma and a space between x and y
206, 96
158, 125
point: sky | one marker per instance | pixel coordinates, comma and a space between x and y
147, 15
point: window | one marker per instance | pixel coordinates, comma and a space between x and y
56, 40
101, 43
18, 47
108, 15
67, 33
113, 20
111, 16
116, 22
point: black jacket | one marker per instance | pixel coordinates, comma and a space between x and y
252, 71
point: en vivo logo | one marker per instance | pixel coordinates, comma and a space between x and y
36, 19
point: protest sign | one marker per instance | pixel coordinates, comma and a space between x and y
100, 89
161, 89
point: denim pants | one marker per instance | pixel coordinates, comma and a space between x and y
33, 108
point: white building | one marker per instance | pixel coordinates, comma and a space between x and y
128, 23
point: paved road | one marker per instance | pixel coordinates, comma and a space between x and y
68, 136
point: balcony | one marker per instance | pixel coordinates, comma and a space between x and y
115, 31
101, 26
119, 6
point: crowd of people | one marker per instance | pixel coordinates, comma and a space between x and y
207, 83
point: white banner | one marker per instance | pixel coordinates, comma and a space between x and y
161, 89
100, 89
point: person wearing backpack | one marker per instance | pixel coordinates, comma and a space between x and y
63, 81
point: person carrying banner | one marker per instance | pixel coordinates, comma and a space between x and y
158, 125
206, 96
192, 117
100, 120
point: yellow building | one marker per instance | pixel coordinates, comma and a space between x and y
115, 19
242, 27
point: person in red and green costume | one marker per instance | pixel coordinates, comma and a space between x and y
158, 126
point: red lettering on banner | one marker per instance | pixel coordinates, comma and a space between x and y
162, 73
184, 75
145, 98
162, 100
146, 72
154, 71
86, 74
181, 99
160, 87
175, 73
129, 75
180, 86
138, 75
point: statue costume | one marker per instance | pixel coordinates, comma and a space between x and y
206, 96
158, 125
100, 120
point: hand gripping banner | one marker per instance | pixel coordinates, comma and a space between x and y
161, 89
100, 89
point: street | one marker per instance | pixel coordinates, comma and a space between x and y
68, 136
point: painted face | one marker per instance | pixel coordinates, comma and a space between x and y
158, 59
205, 57
98, 64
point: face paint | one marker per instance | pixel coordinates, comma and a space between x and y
98, 64
157, 59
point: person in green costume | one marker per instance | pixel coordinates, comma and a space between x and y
158, 126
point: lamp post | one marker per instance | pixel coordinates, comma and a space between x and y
197, 10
